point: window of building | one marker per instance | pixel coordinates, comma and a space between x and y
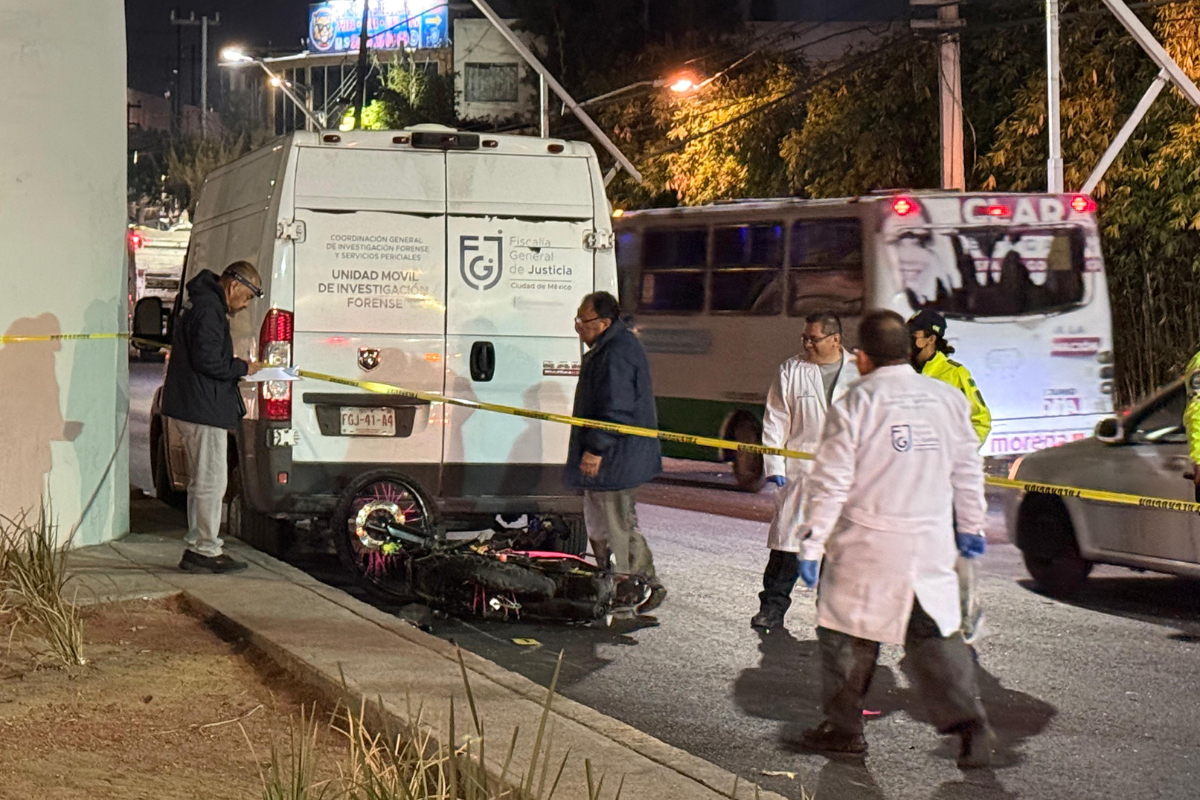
825, 267
673, 264
747, 269
490, 83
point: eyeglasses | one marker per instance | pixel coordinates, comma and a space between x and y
581, 321
816, 339
257, 292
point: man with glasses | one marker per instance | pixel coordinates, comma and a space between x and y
200, 396
614, 386
805, 387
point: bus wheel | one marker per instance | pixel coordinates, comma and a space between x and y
747, 466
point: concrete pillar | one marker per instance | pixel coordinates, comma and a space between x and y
63, 404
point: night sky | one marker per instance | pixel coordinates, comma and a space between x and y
276, 27
258, 25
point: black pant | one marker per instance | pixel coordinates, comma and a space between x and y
779, 578
943, 674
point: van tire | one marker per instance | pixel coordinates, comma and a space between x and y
1047, 542
164, 490
271, 536
747, 467
577, 538
394, 586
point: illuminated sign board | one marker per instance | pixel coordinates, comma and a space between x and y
336, 26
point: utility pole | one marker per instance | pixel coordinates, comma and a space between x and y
947, 24
360, 89
203, 23
1054, 165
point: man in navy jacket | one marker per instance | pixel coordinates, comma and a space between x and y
200, 396
614, 386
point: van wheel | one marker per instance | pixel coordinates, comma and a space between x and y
747, 466
160, 467
380, 565
1048, 546
577, 538
271, 536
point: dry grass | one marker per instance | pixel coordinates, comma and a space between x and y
33, 575
389, 765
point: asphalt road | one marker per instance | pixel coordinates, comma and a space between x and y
1092, 699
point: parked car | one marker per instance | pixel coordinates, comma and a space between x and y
1143, 453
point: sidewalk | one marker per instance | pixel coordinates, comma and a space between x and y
321, 635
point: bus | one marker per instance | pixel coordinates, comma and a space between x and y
719, 294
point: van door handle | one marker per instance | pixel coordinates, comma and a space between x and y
483, 361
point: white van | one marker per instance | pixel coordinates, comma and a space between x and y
431, 259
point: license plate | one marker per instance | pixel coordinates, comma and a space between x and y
368, 421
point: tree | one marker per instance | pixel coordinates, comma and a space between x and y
729, 136
189, 161
409, 95
870, 127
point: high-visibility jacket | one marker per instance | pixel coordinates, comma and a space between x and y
959, 377
1191, 412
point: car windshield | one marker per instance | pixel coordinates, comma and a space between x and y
991, 272
1161, 419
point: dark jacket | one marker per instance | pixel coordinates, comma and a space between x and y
202, 374
614, 386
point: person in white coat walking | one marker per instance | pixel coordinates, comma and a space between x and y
898, 461
795, 412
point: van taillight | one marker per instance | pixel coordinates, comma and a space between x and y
275, 349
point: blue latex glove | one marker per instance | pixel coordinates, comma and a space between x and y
970, 544
778, 480
808, 572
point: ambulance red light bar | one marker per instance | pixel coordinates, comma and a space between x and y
903, 206
136, 239
1082, 204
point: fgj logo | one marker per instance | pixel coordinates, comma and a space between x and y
481, 266
902, 438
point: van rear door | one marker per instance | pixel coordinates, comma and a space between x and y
518, 267
370, 304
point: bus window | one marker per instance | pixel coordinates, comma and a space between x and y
673, 264
747, 266
825, 267
992, 272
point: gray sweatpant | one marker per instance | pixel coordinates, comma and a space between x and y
207, 477
612, 527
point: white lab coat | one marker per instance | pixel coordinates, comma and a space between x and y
898, 460
792, 419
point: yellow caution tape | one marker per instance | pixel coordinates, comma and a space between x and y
1097, 495
62, 337
579, 422
725, 444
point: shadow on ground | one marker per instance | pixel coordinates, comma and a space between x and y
785, 687
1158, 599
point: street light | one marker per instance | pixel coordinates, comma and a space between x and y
682, 83
232, 56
